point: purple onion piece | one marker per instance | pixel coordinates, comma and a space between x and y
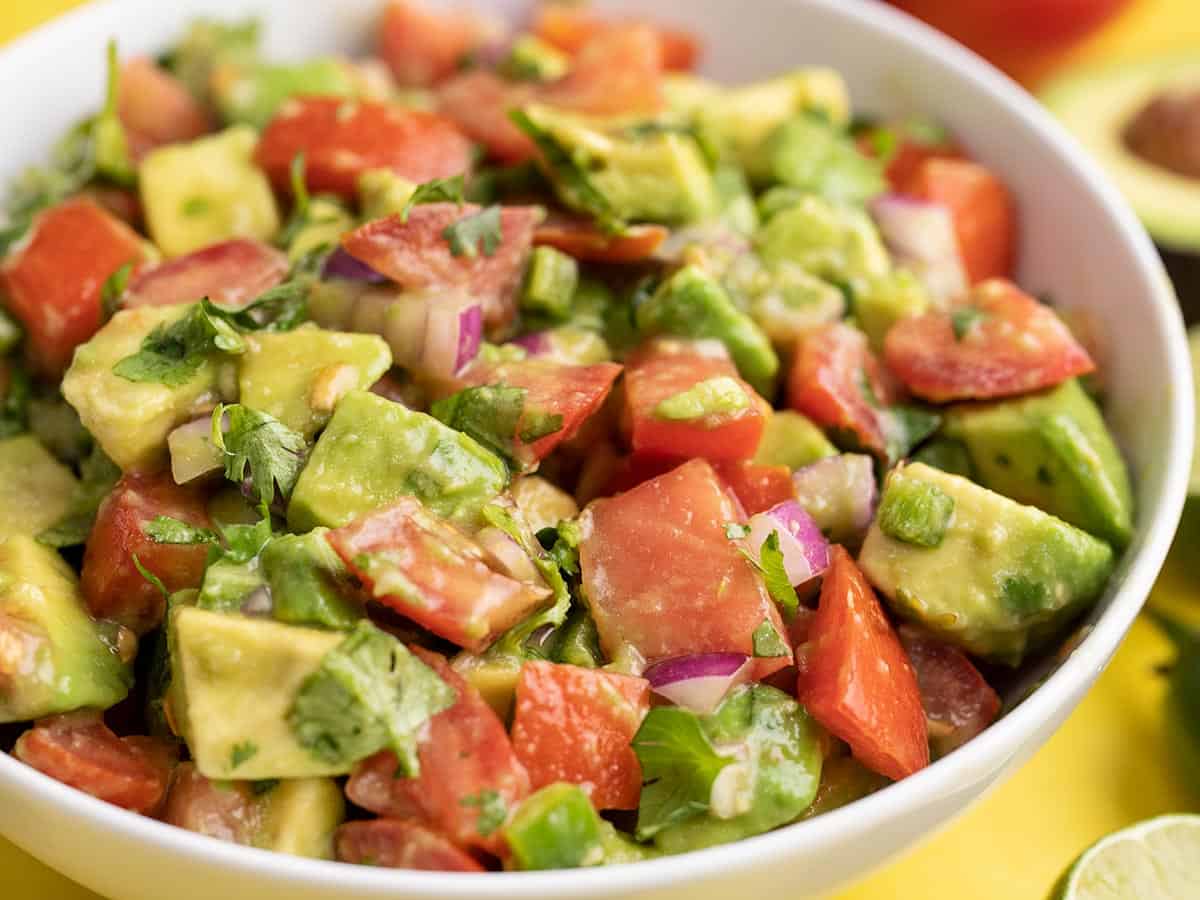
341, 264
470, 336
698, 682
536, 343
922, 238
839, 493
805, 550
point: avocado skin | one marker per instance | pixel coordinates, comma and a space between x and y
1051, 450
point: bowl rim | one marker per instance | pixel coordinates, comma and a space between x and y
966, 766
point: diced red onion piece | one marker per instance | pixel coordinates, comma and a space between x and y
536, 343
698, 682
341, 264
507, 554
805, 550
191, 449
470, 336
839, 489
921, 236
453, 333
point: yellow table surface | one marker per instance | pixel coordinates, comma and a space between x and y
1104, 769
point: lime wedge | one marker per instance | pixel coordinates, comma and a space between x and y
1194, 346
1158, 859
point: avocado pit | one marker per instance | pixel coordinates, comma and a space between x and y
1166, 132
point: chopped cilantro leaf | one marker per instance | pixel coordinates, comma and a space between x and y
775, 576
488, 413
150, 576
243, 752
964, 319
166, 530
448, 190
112, 289
172, 354
479, 232
274, 453
110, 144
493, 811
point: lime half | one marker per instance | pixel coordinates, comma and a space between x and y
1158, 859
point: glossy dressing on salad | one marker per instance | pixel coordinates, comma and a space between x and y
514, 451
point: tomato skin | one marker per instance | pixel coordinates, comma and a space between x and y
227, 811
1017, 346
855, 678
575, 725
758, 487
416, 255
112, 586
663, 368
617, 72
982, 209
660, 575
826, 384
423, 47
479, 102
958, 702
584, 241
462, 598
156, 108
230, 273
400, 844
569, 29
464, 751
574, 392
53, 280
341, 139
78, 749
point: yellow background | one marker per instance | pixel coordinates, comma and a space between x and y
1106, 768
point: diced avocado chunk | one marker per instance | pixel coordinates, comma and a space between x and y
131, 419
735, 202
299, 376
744, 117
578, 641
843, 780
208, 43
327, 221
300, 816
309, 583
233, 727
914, 511
836, 243
645, 174
1004, 578
1051, 450
785, 300
693, 304
35, 488
53, 657
381, 192
716, 396
886, 300
206, 191
542, 503
811, 153
791, 439
495, 677
948, 455
228, 584
550, 283
252, 94
532, 59
555, 828
374, 451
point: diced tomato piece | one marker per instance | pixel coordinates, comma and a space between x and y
910, 153
417, 254
112, 586
230, 273
1012, 345
423, 47
570, 28
660, 575
156, 108
479, 101
53, 280
855, 678
400, 844
982, 208
958, 702
666, 367
632, 470
341, 139
465, 755
617, 72
581, 239
121, 202
226, 810
575, 725
554, 388
79, 749
758, 487
453, 589
839, 383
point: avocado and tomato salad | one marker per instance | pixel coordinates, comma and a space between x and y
515, 451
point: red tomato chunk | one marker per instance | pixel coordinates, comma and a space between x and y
571, 28
661, 577
230, 273
575, 725
156, 108
422, 46
226, 810
112, 586
855, 678
400, 844
583, 240
466, 761
757, 487
479, 101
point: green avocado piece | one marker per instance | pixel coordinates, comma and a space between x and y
207, 191
811, 153
785, 300
234, 728
692, 304
843, 780
381, 193
252, 94
532, 59
300, 815
131, 419
374, 451
550, 282
208, 43
35, 488
1099, 103
542, 503
53, 657
299, 376
791, 439
1051, 450
646, 174
555, 828
886, 300
309, 583
324, 226
1004, 577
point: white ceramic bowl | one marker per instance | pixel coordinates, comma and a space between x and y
1079, 242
